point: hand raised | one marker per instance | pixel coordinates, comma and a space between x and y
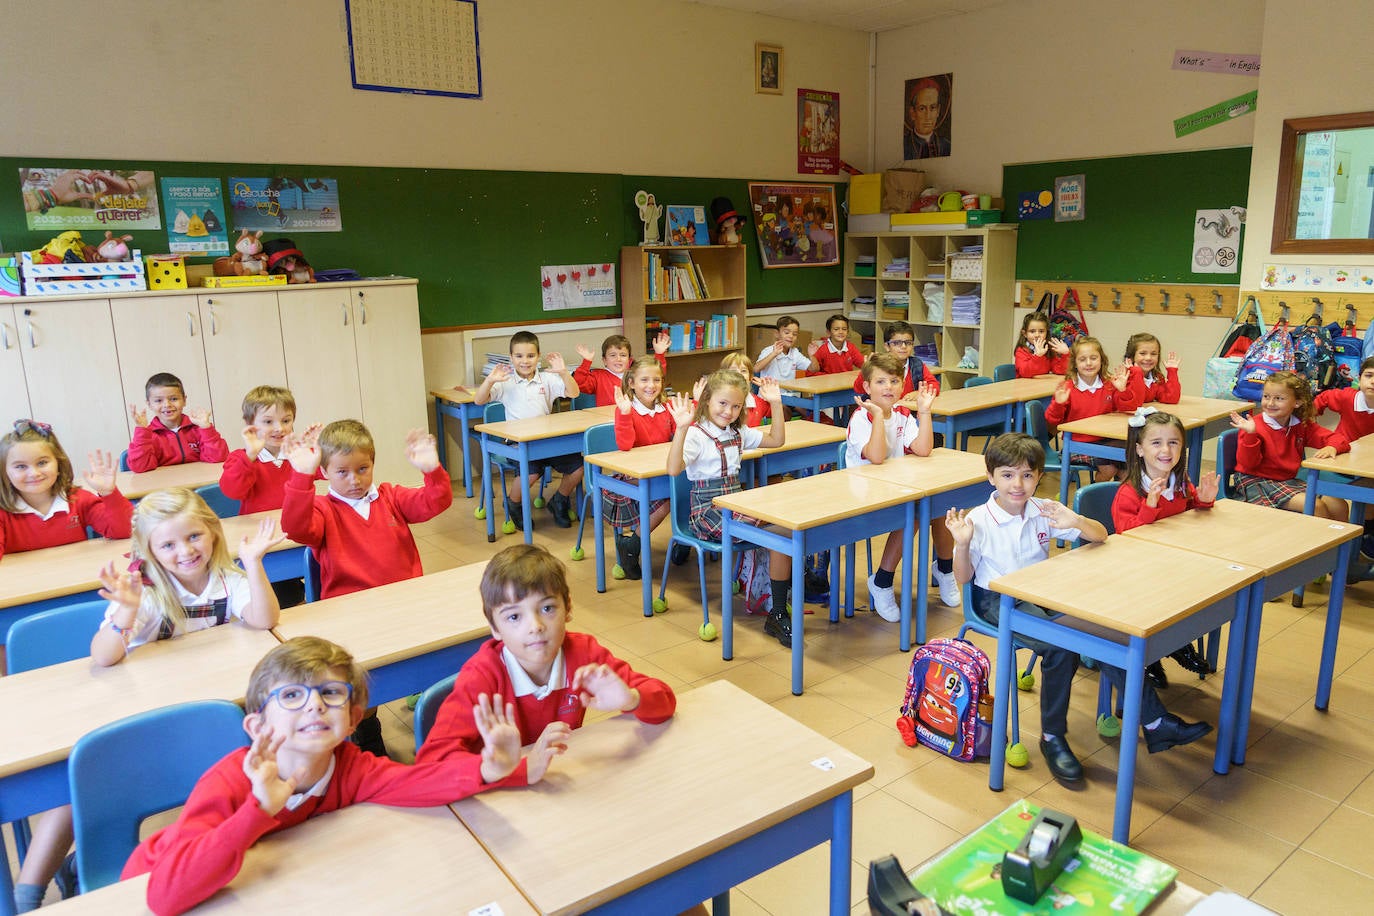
422, 450
600, 688
200, 416
252, 445
499, 373
124, 588
555, 362
960, 526
304, 456
698, 387
623, 402
924, 397
253, 548
1208, 487
1040, 347
1061, 392
769, 391
139, 415
1121, 376
552, 742
1058, 346
662, 342
260, 766
1244, 424
101, 475
814, 347
587, 353
1172, 361
875, 413
681, 410
500, 737
1156, 490
1060, 515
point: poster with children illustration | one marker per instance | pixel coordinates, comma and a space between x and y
795, 224
687, 225
818, 132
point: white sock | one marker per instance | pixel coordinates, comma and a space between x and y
1155, 724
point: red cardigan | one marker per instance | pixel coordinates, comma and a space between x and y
203, 851
156, 446
603, 382
1277, 454
355, 552
454, 731
110, 516
846, 360
1165, 389
1028, 365
257, 485
634, 428
1130, 511
1354, 424
1083, 404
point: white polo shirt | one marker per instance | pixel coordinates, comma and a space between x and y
529, 397
786, 366
1004, 543
900, 429
232, 585
701, 457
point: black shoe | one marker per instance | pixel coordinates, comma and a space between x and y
1173, 731
816, 585
368, 736
680, 554
1367, 545
516, 517
1189, 658
67, 882
559, 507
779, 626
1154, 674
627, 552
1062, 763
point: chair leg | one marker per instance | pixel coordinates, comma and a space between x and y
667, 558
701, 576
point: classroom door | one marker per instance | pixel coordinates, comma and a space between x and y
163, 334
242, 340
14, 389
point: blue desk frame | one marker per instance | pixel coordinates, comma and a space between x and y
522, 453
951, 425
465, 414
842, 400
1319, 484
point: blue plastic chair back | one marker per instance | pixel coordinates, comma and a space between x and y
124, 460
583, 401
681, 502
1038, 429
116, 783
214, 497
1226, 462
52, 637
427, 707
311, 576
599, 438
986, 432
975, 381
1003, 373
1095, 502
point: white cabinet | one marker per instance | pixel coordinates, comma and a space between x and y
243, 349
386, 331
14, 391
162, 334
316, 322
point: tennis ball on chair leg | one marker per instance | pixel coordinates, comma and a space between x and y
577, 553
1017, 755
508, 527
480, 512
660, 606
707, 632
617, 572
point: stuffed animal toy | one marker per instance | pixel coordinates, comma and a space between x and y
246, 259
283, 257
114, 248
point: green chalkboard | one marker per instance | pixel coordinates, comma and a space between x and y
1140, 212
474, 239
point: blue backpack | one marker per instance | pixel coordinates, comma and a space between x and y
1313, 356
1271, 353
1349, 353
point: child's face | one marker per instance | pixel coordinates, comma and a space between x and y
1015, 486
350, 473
167, 403
723, 405
1278, 402
839, 333
616, 359
1367, 385
532, 629
787, 335
884, 389
899, 345
647, 385
525, 358
1088, 362
1160, 449
1146, 356
183, 545
1036, 332
273, 424
32, 469
316, 728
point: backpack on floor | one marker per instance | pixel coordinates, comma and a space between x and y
1313, 356
1271, 353
948, 706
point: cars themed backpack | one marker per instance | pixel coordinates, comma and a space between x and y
1272, 352
948, 706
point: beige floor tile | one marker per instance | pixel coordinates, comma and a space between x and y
1353, 697
957, 795
1336, 730
882, 746
884, 825
820, 713
1309, 885
768, 686
799, 886
1344, 838
1362, 798
865, 689
1253, 799
1216, 847
1093, 801
821, 662
1294, 759
1179, 770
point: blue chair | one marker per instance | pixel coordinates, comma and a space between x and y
1004, 373
597, 439
1024, 681
682, 534
116, 783
1095, 502
311, 575
124, 460
1226, 463
214, 497
427, 707
987, 432
584, 401
1036, 426
840, 463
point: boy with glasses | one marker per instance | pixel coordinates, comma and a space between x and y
900, 339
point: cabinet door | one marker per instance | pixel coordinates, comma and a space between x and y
387, 331
321, 365
163, 334
242, 339
72, 371
14, 390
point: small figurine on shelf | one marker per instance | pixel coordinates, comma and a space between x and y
649, 213
727, 220
114, 248
246, 259
66, 248
283, 257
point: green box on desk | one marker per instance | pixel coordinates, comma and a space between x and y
984, 217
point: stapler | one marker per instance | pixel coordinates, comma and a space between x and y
890, 892
1048, 846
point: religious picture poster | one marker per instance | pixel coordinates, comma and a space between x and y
578, 286
286, 204
1035, 205
818, 132
927, 116
195, 224
1216, 241
1070, 198
795, 224
89, 198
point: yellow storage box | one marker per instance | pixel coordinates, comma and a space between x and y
866, 193
166, 271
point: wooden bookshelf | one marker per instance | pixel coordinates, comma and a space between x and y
722, 269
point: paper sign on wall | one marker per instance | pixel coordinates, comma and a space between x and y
1070, 198
1217, 114
1353, 278
1217, 62
578, 286
1216, 241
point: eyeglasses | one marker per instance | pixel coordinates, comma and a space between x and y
900, 342
25, 426
292, 697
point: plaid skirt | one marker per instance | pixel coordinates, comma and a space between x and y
1265, 492
704, 521
622, 511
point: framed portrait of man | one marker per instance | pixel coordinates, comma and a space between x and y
926, 116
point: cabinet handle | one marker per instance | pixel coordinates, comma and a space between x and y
344, 307
362, 305
5, 335
190, 325
33, 343
214, 319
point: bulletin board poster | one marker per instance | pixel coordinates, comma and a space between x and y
1070, 198
89, 198
577, 286
281, 204
818, 132
795, 224
195, 224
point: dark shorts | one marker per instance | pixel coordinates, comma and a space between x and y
563, 464
1265, 492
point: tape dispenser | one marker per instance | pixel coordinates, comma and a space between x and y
1048, 846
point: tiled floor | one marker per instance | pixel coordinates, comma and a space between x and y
1297, 817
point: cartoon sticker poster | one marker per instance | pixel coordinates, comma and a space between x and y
196, 224
89, 198
1035, 205
1216, 241
284, 204
818, 132
1348, 277
578, 286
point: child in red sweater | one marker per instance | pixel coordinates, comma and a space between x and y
552, 676
640, 419
256, 474
305, 697
1088, 392
174, 435
1356, 409
1146, 382
1036, 352
42, 506
1157, 486
837, 353
1270, 450
615, 359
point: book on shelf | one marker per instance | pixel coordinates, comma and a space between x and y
676, 278
717, 332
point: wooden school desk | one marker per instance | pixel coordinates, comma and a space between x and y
945, 479
1293, 550
810, 514
192, 474
457, 403
821, 391
36, 580
1180, 597
960, 409
807, 445
635, 819
407, 634
360, 858
211, 664
523, 441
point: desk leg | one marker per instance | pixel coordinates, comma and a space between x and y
467, 451
7, 883
524, 483
851, 553
1003, 693
1195, 453
841, 842
486, 491
923, 586
834, 574
1332, 635
1232, 684
798, 598
1130, 737
1247, 685
646, 566
598, 526
1065, 459
441, 445
727, 603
